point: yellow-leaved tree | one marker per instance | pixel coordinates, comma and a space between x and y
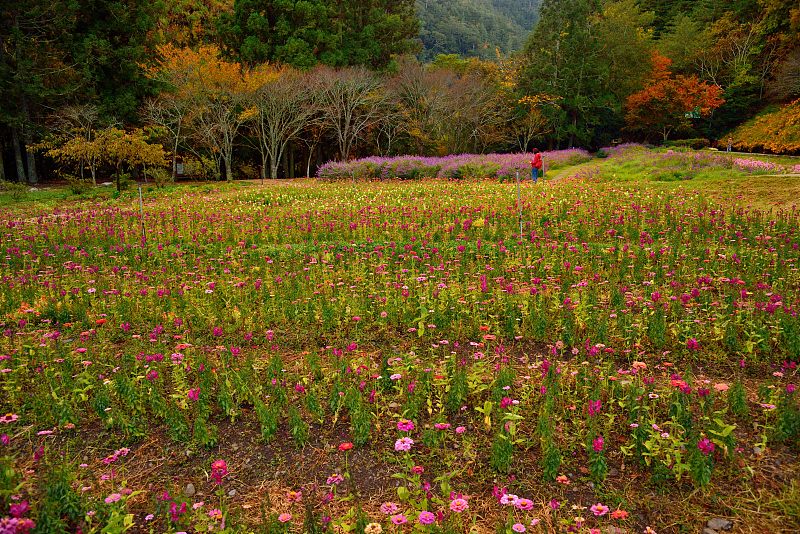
212, 95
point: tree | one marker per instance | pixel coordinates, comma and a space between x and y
110, 145
530, 121
35, 69
564, 59
283, 105
663, 104
129, 149
215, 92
76, 125
350, 101
169, 113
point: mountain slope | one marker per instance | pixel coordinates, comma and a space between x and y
475, 27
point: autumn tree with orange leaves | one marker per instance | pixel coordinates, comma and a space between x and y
667, 102
214, 94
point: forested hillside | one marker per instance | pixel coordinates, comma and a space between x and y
475, 28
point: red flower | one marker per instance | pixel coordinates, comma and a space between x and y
346, 446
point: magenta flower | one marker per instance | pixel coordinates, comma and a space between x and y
705, 446
524, 504
404, 425
427, 518
598, 443
692, 344
19, 509
219, 469
594, 407
194, 394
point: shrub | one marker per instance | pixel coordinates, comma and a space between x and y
696, 144
15, 189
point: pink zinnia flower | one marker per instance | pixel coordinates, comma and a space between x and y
524, 504
404, 425
599, 509
114, 497
403, 444
285, 517
399, 519
518, 527
509, 499
459, 505
427, 518
389, 508
9, 418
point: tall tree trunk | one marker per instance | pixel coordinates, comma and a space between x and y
33, 177
21, 177
228, 167
274, 163
2, 165
291, 161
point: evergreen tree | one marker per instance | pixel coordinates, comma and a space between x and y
564, 60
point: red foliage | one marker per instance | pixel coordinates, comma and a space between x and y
661, 106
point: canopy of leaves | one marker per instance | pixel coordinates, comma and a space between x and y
303, 33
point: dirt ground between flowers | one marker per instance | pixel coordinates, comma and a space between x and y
757, 492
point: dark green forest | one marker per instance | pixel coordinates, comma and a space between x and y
377, 77
475, 28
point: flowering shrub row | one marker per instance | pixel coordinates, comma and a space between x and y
465, 166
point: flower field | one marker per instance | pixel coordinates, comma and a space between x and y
396, 357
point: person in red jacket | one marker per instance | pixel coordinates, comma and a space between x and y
536, 165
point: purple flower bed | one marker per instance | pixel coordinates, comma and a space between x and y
455, 167
758, 166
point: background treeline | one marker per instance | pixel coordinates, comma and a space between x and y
226, 88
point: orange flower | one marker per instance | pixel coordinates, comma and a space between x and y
619, 514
